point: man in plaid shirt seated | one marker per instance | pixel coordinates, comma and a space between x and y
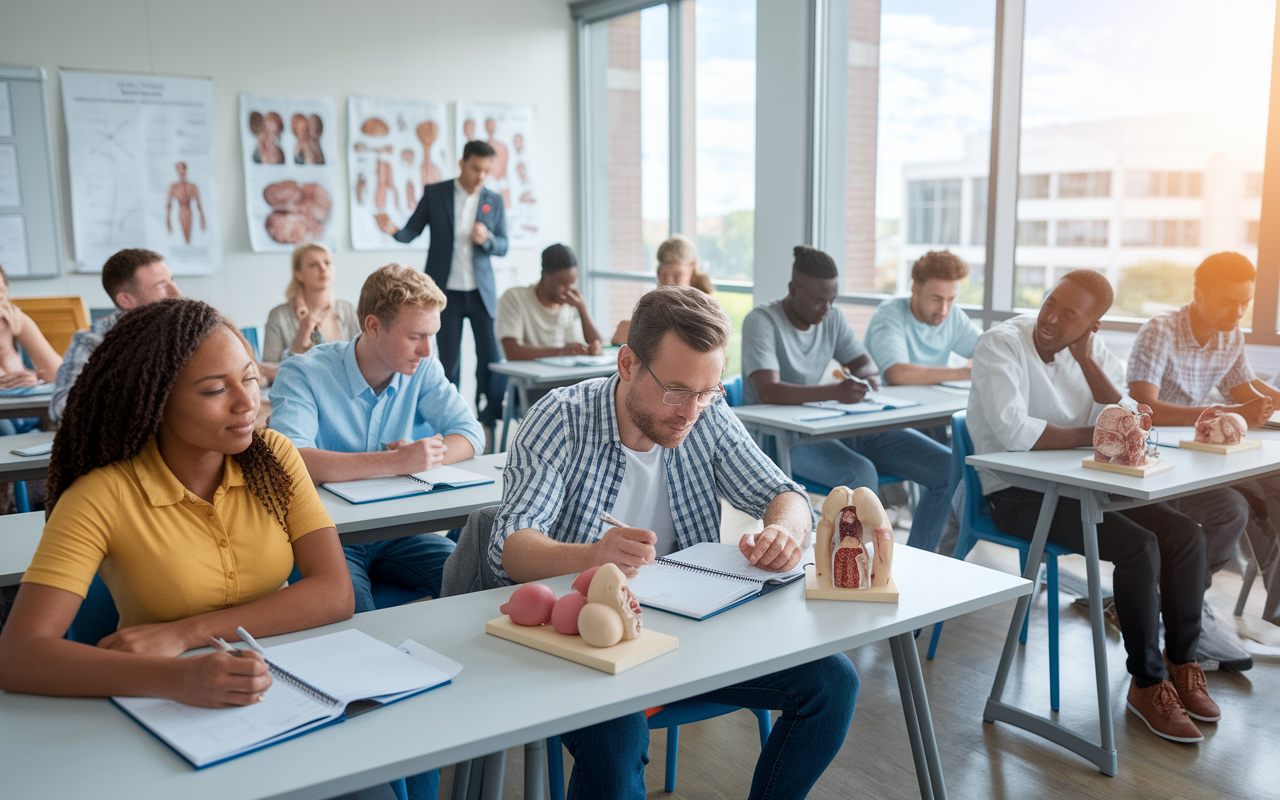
655, 447
1184, 361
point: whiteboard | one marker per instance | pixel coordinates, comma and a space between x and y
30, 231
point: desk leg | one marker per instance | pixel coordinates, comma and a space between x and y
782, 441
535, 769
1104, 756
508, 413
915, 708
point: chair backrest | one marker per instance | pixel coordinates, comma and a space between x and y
467, 569
58, 318
251, 336
733, 390
97, 617
975, 503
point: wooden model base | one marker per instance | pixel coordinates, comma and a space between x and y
874, 594
1145, 471
622, 656
1222, 449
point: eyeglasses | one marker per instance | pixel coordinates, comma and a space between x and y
678, 398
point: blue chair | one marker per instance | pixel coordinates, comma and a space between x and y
251, 336
670, 717
385, 595
976, 523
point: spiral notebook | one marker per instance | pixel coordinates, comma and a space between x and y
315, 682
706, 579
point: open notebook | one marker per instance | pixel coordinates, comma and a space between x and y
28, 391
393, 487
315, 682
703, 580
606, 360
873, 401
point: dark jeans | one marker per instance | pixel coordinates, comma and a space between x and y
489, 385
1158, 555
816, 701
414, 562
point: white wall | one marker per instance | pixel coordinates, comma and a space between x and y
517, 51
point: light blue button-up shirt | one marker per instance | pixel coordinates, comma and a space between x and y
321, 400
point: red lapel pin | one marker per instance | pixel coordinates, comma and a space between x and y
485, 208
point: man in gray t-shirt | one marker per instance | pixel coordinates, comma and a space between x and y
786, 347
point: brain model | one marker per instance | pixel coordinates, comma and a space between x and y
1219, 426
1120, 436
854, 547
601, 609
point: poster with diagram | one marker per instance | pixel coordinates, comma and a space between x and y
394, 148
510, 129
289, 148
143, 172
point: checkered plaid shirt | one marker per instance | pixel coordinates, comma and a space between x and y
565, 468
83, 343
1167, 354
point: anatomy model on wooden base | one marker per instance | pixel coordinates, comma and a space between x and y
601, 609
1219, 426
1120, 437
854, 546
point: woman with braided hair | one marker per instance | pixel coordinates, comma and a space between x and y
160, 483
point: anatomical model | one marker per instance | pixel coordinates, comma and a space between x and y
854, 545
601, 608
185, 193
1120, 436
427, 133
267, 127
1219, 426
299, 211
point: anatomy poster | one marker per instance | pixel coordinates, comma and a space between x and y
289, 149
510, 130
143, 172
394, 148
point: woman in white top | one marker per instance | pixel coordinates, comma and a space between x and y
312, 314
677, 266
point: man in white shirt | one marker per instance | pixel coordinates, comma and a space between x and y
468, 227
1039, 383
911, 339
549, 318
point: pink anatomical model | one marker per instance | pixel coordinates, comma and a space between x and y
427, 133
530, 604
267, 128
384, 185
1120, 436
854, 545
609, 587
1219, 426
185, 193
564, 617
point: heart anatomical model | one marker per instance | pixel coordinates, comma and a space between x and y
1219, 426
854, 546
1120, 436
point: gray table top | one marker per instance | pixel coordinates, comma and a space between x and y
11, 464
25, 406
506, 695
535, 373
936, 403
1193, 470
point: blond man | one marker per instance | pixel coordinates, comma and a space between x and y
380, 405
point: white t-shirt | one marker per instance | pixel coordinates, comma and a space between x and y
523, 318
462, 271
643, 500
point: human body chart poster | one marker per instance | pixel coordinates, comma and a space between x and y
394, 148
290, 180
143, 172
510, 129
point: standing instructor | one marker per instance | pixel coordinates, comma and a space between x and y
468, 227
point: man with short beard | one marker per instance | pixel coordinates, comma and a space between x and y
655, 447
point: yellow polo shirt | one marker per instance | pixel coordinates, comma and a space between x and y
164, 553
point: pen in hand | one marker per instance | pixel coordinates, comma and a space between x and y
617, 523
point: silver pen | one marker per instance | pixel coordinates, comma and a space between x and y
249, 640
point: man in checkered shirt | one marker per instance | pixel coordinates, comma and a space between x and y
1184, 361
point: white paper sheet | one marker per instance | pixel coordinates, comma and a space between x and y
511, 131
10, 190
394, 148
143, 169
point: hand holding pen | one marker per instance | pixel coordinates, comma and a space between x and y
852, 388
629, 548
233, 677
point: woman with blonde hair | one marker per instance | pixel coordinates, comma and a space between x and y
677, 266
311, 315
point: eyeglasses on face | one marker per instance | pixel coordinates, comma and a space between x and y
680, 397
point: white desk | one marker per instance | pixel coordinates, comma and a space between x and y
522, 376
1058, 473
786, 425
507, 695
23, 468
357, 524
26, 406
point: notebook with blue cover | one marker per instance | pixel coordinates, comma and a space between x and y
706, 579
315, 682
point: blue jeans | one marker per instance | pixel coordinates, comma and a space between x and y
414, 562
816, 701
907, 453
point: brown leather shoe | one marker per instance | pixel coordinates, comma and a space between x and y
1159, 707
1193, 690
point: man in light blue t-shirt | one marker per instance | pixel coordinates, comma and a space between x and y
912, 338
786, 348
